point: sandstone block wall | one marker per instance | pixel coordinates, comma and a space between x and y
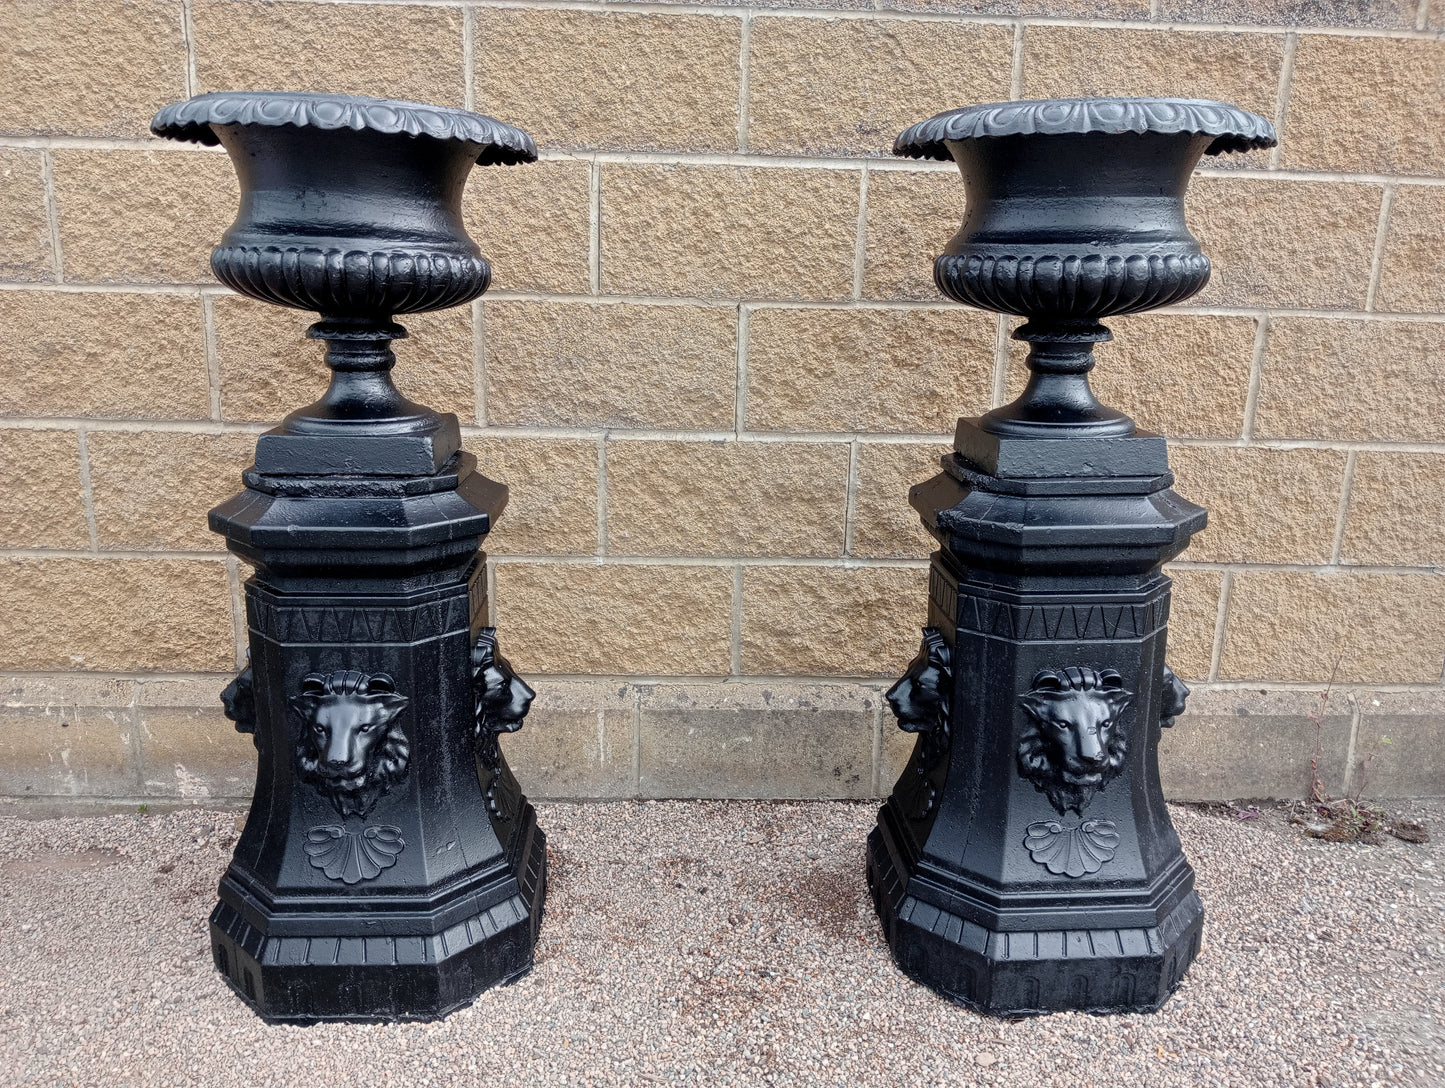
711, 366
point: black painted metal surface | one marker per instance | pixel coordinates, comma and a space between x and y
390, 867
1025, 861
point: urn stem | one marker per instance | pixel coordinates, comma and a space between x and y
1057, 402
358, 351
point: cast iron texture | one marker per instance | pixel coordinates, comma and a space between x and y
390, 867
1025, 862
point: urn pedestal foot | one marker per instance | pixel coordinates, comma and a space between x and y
384, 960
1028, 971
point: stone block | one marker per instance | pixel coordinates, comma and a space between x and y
268, 368
1193, 615
166, 692
552, 499
44, 505
576, 743
615, 619
831, 621
757, 740
726, 498
533, 224
612, 79
25, 251
142, 216
830, 86
406, 51
1074, 9
115, 615
1249, 744
67, 751
911, 215
73, 68
564, 364
1073, 61
1265, 505
1365, 105
67, 690
1347, 380
901, 371
153, 489
1296, 625
67, 735
1367, 13
1396, 516
74, 354
728, 231
1398, 745
885, 526
1292, 244
1412, 268
193, 753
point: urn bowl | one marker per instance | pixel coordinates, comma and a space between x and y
350, 206
1075, 207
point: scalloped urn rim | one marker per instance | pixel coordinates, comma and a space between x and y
192, 120
1233, 129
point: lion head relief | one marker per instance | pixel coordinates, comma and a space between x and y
502, 696
502, 701
920, 701
1073, 744
351, 747
1176, 699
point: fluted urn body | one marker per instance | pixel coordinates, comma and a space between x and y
390, 867
1025, 861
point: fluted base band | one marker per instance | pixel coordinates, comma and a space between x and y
343, 283
1070, 287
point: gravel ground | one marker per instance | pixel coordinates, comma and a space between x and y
725, 943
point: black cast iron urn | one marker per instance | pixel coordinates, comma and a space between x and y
1025, 861
390, 867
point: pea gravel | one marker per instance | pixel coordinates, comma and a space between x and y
725, 943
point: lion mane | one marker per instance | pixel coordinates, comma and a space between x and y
349, 701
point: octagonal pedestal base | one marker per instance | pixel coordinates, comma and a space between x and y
375, 963
1024, 973
1015, 868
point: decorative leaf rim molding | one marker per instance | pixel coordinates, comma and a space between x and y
501, 143
1233, 128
